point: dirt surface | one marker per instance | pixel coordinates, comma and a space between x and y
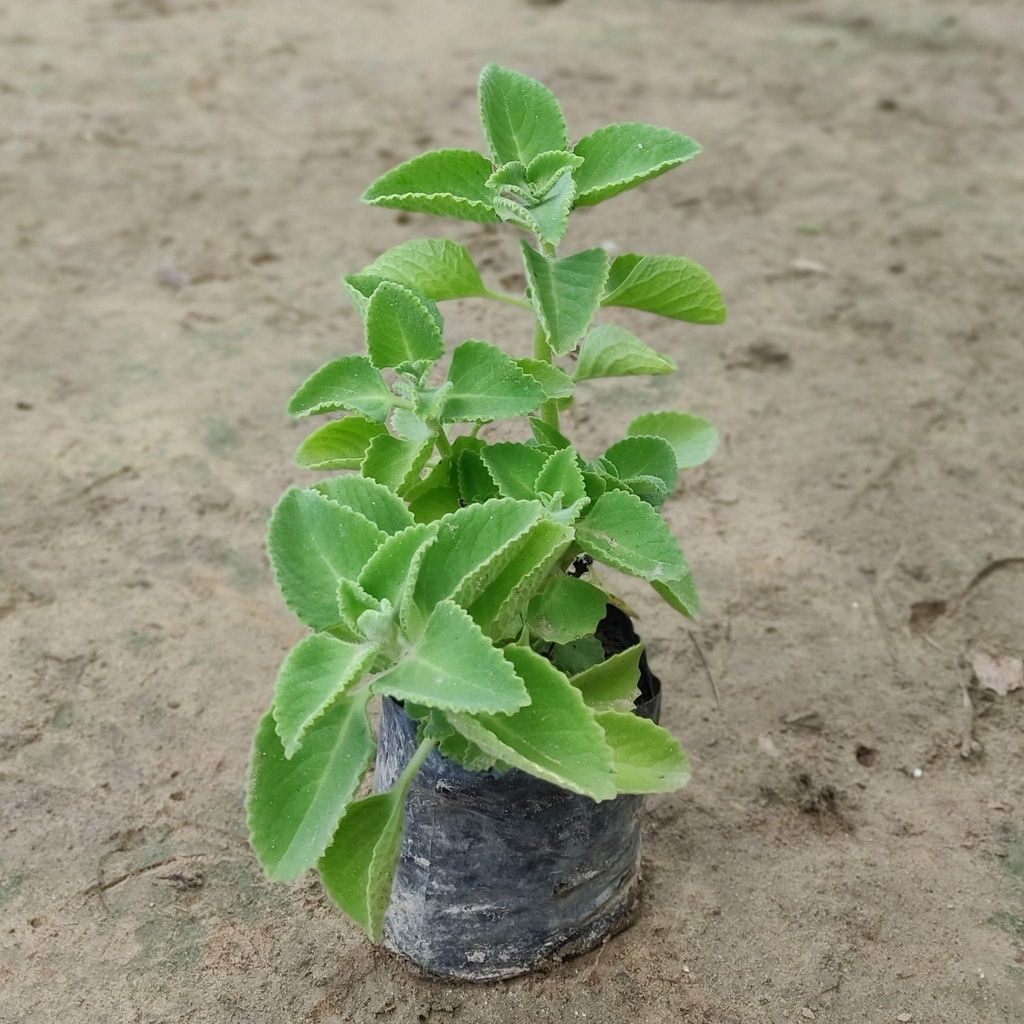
179, 187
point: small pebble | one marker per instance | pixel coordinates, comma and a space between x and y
904, 1017
917, 773
807, 1013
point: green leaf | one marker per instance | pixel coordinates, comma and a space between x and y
555, 737
667, 285
358, 870
340, 444
396, 462
622, 156
315, 542
294, 805
554, 380
353, 600
476, 485
611, 681
640, 457
435, 495
546, 168
532, 182
514, 467
369, 499
521, 117
646, 758
453, 745
488, 385
611, 351
453, 666
578, 655
561, 475
544, 433
351, 383
471, 546
445, 182
409, 425
386, 574
400, 328
566, 609
437, 267
317, 671
693, 439
360, 287
629, 535
566, 293
680, 594
546, 217
499, 606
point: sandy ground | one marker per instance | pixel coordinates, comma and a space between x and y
179, 186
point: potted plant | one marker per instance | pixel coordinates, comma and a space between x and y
455, 578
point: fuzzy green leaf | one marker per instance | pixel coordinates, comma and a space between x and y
358, 870
396, 462
646, 758
499, 607
693, 439
622, 156
317, 671
350, 383
370, 499
476, 485
566, 609
400, 328
533, 181
566, 293
386, 574
611, 351
294, 805
640, 457
578, 655
680, 594
353, 600
471, 546
521, 117
340, 444
629, 535
555, 737
315, 542
544, 433
670, 286
453, 666
548, 216
612, 681
436, 494
561, 475
445, 182
436, 267
554, 380
514, 467
486, 384
453, 745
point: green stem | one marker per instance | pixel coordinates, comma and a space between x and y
509, 300
415, 764
542, 351
443, 444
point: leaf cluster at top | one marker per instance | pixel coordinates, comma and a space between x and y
456, 573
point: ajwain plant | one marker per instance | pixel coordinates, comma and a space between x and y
457, 575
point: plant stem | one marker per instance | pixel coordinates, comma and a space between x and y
542, 351
443, 444
415, 764
509, 300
